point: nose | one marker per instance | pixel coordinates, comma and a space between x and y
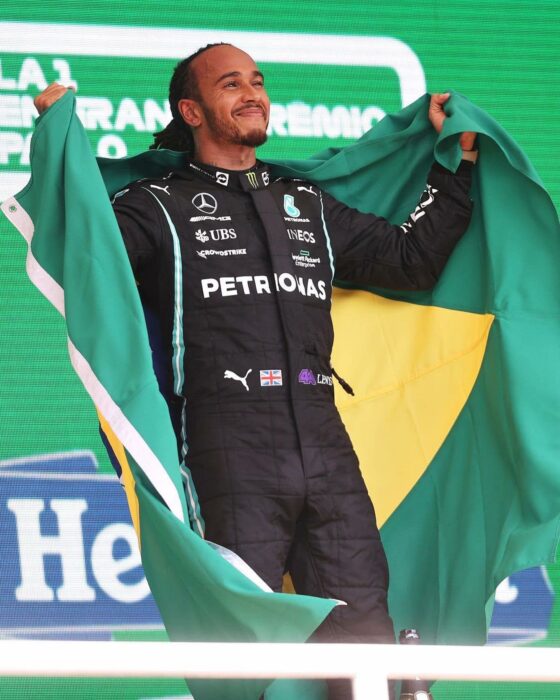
251, 93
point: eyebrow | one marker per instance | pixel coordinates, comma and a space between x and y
236, 74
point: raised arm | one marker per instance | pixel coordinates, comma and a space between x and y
371, 251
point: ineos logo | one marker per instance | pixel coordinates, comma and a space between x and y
205, 202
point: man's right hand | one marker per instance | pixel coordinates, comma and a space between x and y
437, 116
49, 96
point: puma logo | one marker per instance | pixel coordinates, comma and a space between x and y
306, 189
164, 189
228, 374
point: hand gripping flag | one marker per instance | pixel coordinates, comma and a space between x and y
456, 390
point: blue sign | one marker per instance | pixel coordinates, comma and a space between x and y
68, 552
522, 609
71, 567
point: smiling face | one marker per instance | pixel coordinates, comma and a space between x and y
232, 106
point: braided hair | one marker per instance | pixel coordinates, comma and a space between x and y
177, 135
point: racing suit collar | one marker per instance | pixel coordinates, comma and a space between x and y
254, 178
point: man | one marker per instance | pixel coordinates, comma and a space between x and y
239, 270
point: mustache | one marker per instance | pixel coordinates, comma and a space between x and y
251, 105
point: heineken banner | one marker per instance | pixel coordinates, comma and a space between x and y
70, 562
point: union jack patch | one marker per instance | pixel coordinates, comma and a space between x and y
271, 377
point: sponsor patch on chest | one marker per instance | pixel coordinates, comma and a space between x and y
204, 254
304, 259
263, 284
307, 376
298, 234
215, 234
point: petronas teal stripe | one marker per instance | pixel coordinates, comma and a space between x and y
193, 505
327, 237
184, 443
197, 521
178, 344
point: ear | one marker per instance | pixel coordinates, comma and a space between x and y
191, 112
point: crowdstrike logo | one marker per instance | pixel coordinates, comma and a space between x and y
205, 202
221, 253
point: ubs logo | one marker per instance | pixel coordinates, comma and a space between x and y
205, 202
215, 234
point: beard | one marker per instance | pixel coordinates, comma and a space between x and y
231, 133
253, 138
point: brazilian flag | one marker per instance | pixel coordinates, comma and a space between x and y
456, 402
457, 405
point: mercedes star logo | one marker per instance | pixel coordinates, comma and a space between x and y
205, 202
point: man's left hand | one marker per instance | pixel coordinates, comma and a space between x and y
437, 116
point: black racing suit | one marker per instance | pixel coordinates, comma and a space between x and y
239, 270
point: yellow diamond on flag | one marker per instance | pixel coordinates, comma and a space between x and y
412, 369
